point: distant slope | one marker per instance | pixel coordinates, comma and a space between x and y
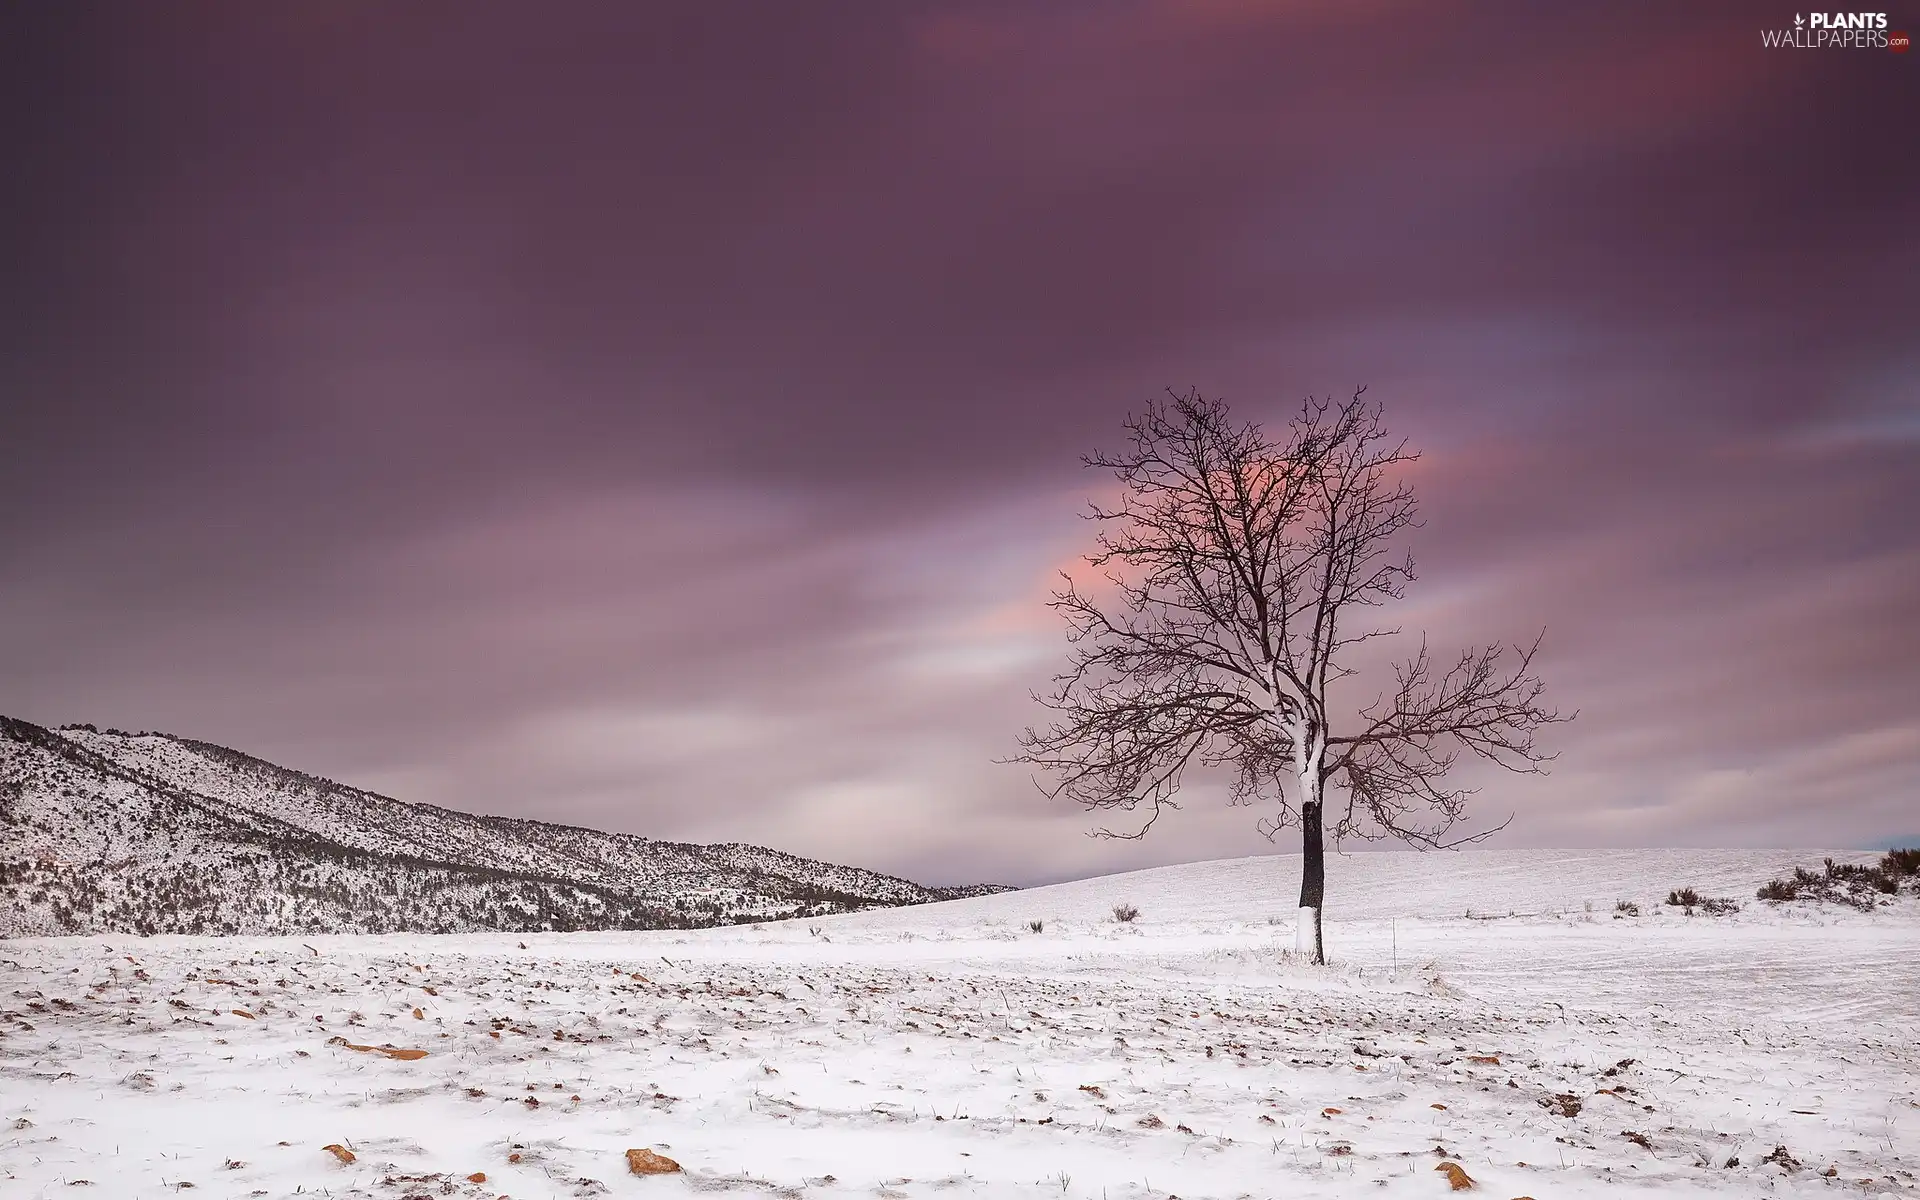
148, 833
1377, 886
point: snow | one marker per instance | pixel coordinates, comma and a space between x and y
948, 1050
116, 832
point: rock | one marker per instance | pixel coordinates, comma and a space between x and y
1457, 1177
646, 1162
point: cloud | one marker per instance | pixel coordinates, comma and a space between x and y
619, 418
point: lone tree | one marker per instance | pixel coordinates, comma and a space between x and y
1237, 569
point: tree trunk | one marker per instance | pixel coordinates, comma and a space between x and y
1313, 884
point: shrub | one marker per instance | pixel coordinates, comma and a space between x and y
1036, 926
1626, 908
1125, 913
1858, 885
1852, 871
1690, 899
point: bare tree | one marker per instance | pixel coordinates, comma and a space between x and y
1235, 573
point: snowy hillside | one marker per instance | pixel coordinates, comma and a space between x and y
1379, 886
950, 1050
148, 833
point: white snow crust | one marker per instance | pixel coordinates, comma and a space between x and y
1549, 1048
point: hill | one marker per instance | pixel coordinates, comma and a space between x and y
1377, 886
150, 833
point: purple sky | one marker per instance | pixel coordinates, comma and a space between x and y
666, 419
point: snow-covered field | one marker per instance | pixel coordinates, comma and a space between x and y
950, 1050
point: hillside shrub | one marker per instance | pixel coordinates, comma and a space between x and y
1689, 899
1625, 908
1866, 876
1036, 926
1856, 885
1125, 913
